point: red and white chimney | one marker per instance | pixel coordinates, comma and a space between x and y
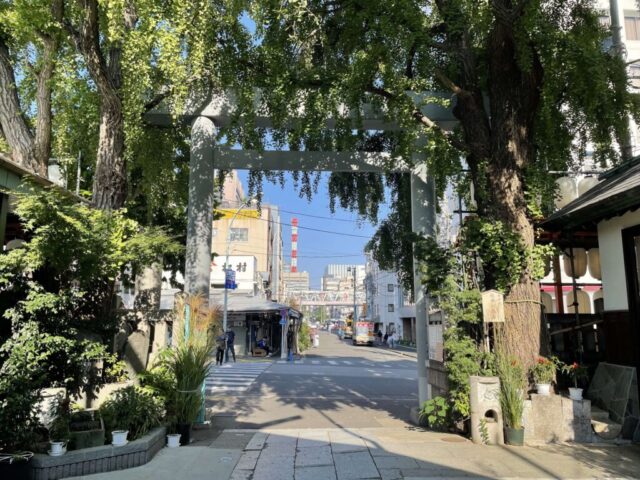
294, 245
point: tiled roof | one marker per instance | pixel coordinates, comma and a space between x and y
617, 193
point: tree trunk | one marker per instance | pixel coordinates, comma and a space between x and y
14, 126
42, 141
110, 178
514, 94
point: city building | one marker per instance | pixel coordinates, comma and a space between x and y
254, 232
388, 304
294, 281
339, 277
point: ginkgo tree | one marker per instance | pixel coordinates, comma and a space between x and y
530, 82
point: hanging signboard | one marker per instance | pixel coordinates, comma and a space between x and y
492, 307
230, 279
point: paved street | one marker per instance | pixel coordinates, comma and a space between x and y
341, 413
335, 385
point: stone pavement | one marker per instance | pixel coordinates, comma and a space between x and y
411, 453
375, 453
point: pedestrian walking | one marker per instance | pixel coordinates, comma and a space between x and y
379, 337
221, 345
393, 340
386, 338
231, 337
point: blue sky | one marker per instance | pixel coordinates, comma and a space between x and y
317, 249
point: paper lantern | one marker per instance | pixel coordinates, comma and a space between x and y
579, 262
567, 191
584, 302
594, 263
547, 302
586, 184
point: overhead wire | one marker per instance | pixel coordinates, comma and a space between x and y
307, 214
320, 230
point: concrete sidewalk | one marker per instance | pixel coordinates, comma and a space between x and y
375, 453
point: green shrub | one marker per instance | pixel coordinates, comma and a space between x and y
304, 339
131, 409
436, 413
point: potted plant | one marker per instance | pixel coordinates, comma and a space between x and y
190, 364
59, 430
173, 440
543, 373
130, 413
512, 387
576, 372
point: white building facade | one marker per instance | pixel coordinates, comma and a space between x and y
387, 302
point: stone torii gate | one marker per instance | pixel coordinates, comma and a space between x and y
210, 112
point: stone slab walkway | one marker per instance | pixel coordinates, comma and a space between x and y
375, 453
411, 454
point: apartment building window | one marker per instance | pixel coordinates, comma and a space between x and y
604, 20
390, 287
239, 234
632, 26
390, 307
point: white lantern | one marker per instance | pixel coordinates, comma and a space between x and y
584, 302
579, 262
586, 184
567, 191
594, 264
547, 302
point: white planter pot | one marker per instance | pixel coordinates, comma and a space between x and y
57, 448
173, 440
575, 393
543, 389
119, 437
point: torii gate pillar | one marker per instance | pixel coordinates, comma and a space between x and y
197, 278
423, 221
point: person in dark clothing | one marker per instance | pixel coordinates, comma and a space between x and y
290, 341
220, 348
380, 337
386, 337
231, 337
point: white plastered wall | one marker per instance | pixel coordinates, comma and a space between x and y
612, 259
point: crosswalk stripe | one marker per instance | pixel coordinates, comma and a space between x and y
332, 362
232, 377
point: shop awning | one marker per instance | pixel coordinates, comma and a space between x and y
241, 304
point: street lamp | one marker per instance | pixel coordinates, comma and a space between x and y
355, 308
246, 203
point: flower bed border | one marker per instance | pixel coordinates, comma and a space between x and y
105, 458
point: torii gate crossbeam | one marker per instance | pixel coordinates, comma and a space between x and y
211, 112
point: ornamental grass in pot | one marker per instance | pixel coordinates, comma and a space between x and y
189, 363
512, 388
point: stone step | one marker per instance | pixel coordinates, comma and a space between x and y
607, 430
599, 414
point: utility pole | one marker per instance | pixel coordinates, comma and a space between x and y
619, 49
355, 306
226, 265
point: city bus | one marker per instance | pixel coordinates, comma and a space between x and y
363, 333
